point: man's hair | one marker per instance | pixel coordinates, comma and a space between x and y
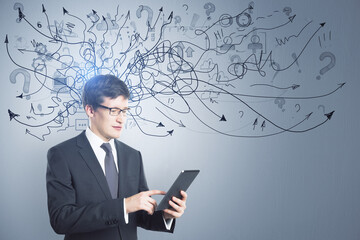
101, 86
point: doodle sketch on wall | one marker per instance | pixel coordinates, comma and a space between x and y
237, 74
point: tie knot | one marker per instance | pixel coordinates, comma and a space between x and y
106, 147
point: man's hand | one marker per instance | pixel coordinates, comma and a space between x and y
142, 201
179, 206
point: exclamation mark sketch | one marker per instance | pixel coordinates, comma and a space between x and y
296, 61
194, 21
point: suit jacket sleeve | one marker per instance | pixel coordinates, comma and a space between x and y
66, 216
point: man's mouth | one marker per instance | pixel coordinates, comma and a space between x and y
117, 127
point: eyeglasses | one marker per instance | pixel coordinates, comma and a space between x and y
116, 111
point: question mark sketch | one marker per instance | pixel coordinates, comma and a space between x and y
329, 66
18, 6
298, 106
187, 7
148, 10
177, 19
296, 61
26, 75
287, 11
251, 7
210, 8
280, 102
241, 113
277, 65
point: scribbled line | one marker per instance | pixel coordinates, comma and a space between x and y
156, 68
286, 39
293, 87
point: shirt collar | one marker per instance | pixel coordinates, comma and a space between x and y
96, 141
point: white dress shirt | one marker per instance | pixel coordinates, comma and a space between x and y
100, 154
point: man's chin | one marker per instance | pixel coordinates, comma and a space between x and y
116, 135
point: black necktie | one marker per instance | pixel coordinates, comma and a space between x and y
110, 170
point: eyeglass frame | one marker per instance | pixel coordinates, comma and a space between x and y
121, 111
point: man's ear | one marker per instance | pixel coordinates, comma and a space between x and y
89, 110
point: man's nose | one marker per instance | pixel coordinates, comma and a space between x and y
120, 118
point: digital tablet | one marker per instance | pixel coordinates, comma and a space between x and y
182, 182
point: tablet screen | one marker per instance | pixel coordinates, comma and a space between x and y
182, 182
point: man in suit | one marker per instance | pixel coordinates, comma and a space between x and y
96, 185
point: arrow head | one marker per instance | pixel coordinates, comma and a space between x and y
161, 9
43, 8
329, 115
160, 125
20, 96
292, 18
295, 86
65, 11
181, 45
171, 132
308, 116
27, 131
21, 15
6, 39
171, 16
341, 84
181, 124
94, 12
223, 119
322, 24
12, 115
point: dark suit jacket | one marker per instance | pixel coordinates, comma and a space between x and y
79, 200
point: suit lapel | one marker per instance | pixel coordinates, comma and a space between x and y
122, 160
91, 161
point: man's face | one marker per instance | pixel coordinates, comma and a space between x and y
102, 123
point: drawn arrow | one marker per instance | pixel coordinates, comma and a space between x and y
65, 11
12, 115
255, 123
302, 50
152, 135
21, 15
27, 131
171, 16
263, 126
160, 125
329, 115
180, 124
189, 52
157, 19
292, 18
294, 86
